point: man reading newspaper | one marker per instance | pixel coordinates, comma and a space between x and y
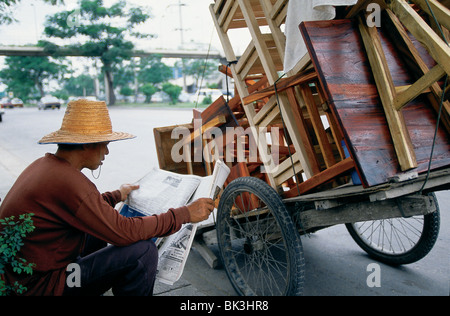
74, 222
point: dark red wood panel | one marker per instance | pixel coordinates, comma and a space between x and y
339, 57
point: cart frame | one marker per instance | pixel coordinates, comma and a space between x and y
260, 244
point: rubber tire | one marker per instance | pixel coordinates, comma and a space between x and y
290, 236
424, 245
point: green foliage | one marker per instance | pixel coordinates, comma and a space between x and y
6, 6
100, 30
25, 75
153, 70
173, 91
198, 69
207, 100
126, 91
11, 240
148, 90
81, 85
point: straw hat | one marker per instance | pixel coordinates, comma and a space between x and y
85, 122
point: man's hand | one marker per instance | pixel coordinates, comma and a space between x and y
200, 209
126, 189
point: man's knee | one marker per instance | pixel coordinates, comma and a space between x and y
148, 253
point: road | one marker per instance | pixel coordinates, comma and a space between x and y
335, 265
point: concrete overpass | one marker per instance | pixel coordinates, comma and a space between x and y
40, 51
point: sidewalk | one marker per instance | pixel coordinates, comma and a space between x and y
198, 279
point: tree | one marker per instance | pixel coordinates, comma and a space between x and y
82, 85
153, 70
173, 91
100, 31
24, 74
6, 14
198, 69
148, 90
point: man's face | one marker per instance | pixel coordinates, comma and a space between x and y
95, 154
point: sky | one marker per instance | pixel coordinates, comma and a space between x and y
196, 23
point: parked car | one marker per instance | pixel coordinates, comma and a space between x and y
160, 96
6, 103
49, 102
184, 97
17, 103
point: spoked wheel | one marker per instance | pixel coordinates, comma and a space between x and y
398, 241
259, 245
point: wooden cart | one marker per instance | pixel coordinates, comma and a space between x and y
353, 126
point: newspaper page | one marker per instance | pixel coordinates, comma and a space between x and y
175, 249
161, 190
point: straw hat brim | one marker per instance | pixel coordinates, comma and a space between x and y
62, 137
85, 122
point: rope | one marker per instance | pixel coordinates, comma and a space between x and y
440, 106
204, 68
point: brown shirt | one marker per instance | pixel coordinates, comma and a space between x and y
67, 206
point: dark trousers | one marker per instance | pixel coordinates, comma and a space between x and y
127, 270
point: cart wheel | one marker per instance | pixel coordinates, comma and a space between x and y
259, 246
398, 241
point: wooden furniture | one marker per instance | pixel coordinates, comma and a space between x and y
294, 107
361, 105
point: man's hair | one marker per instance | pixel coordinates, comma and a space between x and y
70, 147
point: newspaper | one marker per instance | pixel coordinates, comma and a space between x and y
161, 190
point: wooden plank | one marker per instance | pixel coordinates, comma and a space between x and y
267, 108
277, 8
327, 175
316, 120
282, 85
277, 34
262, 146
260, 43
270, 118
308, 147
367, 211
216, 121
206, 253
218, 5
399, 132
436, 47
338, 55
403, 98
441, 13
270, 68
414, 61
224, 39
362, 5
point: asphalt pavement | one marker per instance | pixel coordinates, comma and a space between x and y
335, 265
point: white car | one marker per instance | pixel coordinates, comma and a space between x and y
17, 103
49, 102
